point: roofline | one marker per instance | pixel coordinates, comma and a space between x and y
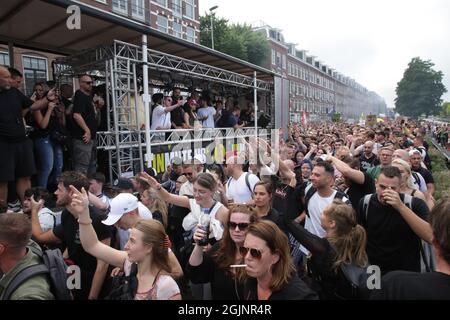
145, 29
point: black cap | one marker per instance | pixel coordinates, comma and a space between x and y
123, 184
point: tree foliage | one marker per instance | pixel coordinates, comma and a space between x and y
237, 40
446, 109
420, 90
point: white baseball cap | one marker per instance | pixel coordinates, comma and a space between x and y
119, 206
200, 158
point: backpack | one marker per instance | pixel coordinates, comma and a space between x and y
356, 279
53, 265
124, 287
416, 179
310, 191
407, 200
247, 182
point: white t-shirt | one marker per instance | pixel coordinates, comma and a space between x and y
160, 119
209, 112
238, 189
124, 235
316, 205
46, 219
186, 189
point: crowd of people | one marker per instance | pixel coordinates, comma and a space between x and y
333, 201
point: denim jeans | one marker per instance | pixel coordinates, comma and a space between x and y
49, 158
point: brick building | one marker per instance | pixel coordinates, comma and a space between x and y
315, 87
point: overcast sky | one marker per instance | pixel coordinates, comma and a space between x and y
369, 41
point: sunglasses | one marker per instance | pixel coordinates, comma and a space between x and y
88, 82
189, 174
255, 253
241, 226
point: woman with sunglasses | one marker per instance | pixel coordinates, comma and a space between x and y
214, 265
203, 203
344, 244
269, 266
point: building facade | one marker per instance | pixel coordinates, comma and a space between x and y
179, 18
316, 88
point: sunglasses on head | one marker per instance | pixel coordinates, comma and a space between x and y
255, 253
241, 226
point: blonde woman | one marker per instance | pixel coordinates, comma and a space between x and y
155, 204
407, 184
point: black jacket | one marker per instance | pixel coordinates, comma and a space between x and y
295, 289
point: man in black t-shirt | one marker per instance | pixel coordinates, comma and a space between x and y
416, 159
394, 231
368, 159
93, 271
85, 128
401, 285
177, 114
17, 160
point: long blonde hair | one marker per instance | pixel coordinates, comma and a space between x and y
158, 205
407, 167
350, 238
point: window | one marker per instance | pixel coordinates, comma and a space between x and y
177, 8
177, 29
190, 9
190, 34
4, 59
162, 3
161, 22
284, 61
278, 62
120, 6
138, 9
34, 70
274, 57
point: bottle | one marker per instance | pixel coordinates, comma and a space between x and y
204, 222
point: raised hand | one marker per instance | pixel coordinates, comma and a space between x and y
149, 179
80, 202
36, 205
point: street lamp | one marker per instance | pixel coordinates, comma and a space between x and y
212, 27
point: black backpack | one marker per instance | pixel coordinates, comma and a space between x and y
52, 265
124, 287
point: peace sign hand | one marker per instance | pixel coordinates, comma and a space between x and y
80, 202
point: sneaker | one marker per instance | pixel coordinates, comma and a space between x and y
15, 206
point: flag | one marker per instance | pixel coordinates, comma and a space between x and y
304, 120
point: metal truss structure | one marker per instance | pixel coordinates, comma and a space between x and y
120, 67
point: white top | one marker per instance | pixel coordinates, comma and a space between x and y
316, 205
160, 119
238, 189
46, 219
124, 235
164, 288
209, 112
186, 189
191, 221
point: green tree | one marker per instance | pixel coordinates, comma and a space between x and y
446, 109
237, 40
420, 90
221, 30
